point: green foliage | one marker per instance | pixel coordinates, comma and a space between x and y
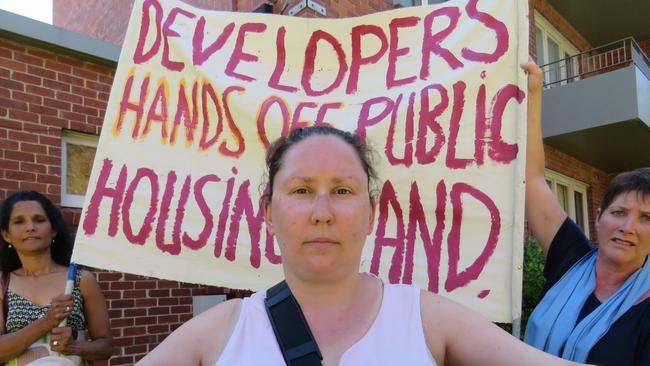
534, 262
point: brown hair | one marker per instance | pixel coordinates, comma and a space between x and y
276, 151
637, 180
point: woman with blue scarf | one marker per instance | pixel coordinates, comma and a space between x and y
596, 302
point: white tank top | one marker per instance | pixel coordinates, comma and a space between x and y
395, 338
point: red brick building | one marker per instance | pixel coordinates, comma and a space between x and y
55, 82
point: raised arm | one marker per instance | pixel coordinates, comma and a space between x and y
200, 341
457, 335
543, 212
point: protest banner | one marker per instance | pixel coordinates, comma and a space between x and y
198, 95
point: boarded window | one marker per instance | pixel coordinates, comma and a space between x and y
78, 154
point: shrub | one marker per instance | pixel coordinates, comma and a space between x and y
533, 282
534, 262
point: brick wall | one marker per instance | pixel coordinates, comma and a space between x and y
561, 24
645, 46
107, 20
143, 311
341, 8
42, 93
596, 180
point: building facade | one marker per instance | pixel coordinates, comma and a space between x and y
55, 82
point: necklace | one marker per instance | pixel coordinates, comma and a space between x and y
25, 273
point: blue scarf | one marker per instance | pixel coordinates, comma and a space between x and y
552, 325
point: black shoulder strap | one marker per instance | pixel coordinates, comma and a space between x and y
291, 330
6, 276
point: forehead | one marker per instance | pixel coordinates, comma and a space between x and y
320, 154
633, 197
27, 208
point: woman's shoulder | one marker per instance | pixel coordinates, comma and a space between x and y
440, 316
221, 313
202, 338
439, 308
84, 274
86, 279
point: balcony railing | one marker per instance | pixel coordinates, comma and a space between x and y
596, 61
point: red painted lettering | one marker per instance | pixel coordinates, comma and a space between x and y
126, 104
431, 42
199, 54
357, 59
244, 205
208, 91
366, 121
296, 122
480, 127
498, 150
455, 277
103, 191
145, 229
159, 103
501, 35
168, 32
202, 238
183, 113
428, 122
320, 117
238, 53
139, 56
261, 118
394, 52
223, 215
173, 248
310, 61
239, 139
407, 159
280, 61
389, 197
454, 126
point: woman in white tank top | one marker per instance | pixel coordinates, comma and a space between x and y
320, 209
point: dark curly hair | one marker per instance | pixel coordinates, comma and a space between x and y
276, 151
61, 250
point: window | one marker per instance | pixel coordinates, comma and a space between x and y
205, 302
572, 196
77, 156
405, 3
551, 46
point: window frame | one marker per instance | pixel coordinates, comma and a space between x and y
573, 185
565, 47
421, 2
74, 138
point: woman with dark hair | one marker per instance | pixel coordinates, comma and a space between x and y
320, 207
596, 301
35, 251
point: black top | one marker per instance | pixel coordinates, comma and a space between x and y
627, 342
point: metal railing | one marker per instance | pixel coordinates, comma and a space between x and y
595, 61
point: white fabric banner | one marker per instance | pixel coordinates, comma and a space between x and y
198, 95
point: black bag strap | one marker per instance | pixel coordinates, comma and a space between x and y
291, 330
6, 276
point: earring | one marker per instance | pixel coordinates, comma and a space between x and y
9, 246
